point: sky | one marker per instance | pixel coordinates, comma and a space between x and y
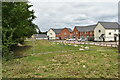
70, 13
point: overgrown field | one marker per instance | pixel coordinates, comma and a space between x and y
49, 59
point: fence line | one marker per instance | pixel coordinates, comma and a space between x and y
90, 43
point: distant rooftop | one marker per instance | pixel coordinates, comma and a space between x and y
106, 25
86, 28
57, 31
69, 29
109, 25
40, 35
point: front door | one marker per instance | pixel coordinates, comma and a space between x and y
103, 39
60, 38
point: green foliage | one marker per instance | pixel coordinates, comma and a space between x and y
16, 24
43, 32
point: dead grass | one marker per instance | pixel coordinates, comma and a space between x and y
98, 62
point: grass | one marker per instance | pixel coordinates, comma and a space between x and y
97, 62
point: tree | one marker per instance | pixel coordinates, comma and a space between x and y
39, 32
16, 24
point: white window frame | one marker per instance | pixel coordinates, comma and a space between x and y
90, 32
64, 33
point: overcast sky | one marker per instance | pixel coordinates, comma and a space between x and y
70, 13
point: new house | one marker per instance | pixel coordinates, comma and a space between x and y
66, 33
106, 31
84, 32
54, 33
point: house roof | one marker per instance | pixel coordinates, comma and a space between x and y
86, 28
57, 31
69, 29
40, 35
109, 25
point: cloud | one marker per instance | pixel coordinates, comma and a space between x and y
69, 14
74, 0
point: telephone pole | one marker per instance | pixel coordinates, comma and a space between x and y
119, 27
119, 41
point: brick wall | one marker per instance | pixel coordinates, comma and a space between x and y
65, 34
84, 34
76, 33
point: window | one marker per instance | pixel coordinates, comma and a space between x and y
50, 33
87, 35
76, 32
109, 33
90, 32
64, 33
99, 31
115, 30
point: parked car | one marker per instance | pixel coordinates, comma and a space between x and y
71, 39
81, 39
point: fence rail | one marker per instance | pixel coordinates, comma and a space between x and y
91, 43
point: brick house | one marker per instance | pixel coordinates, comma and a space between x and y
66, 33
76, 32
84, 31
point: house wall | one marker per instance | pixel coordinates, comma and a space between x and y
57, 36
87, 35
71, 34
51, 34
107, 37
91, 33
65, 33
110, 37
76, 33
97, 34
116, 31
82, 34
